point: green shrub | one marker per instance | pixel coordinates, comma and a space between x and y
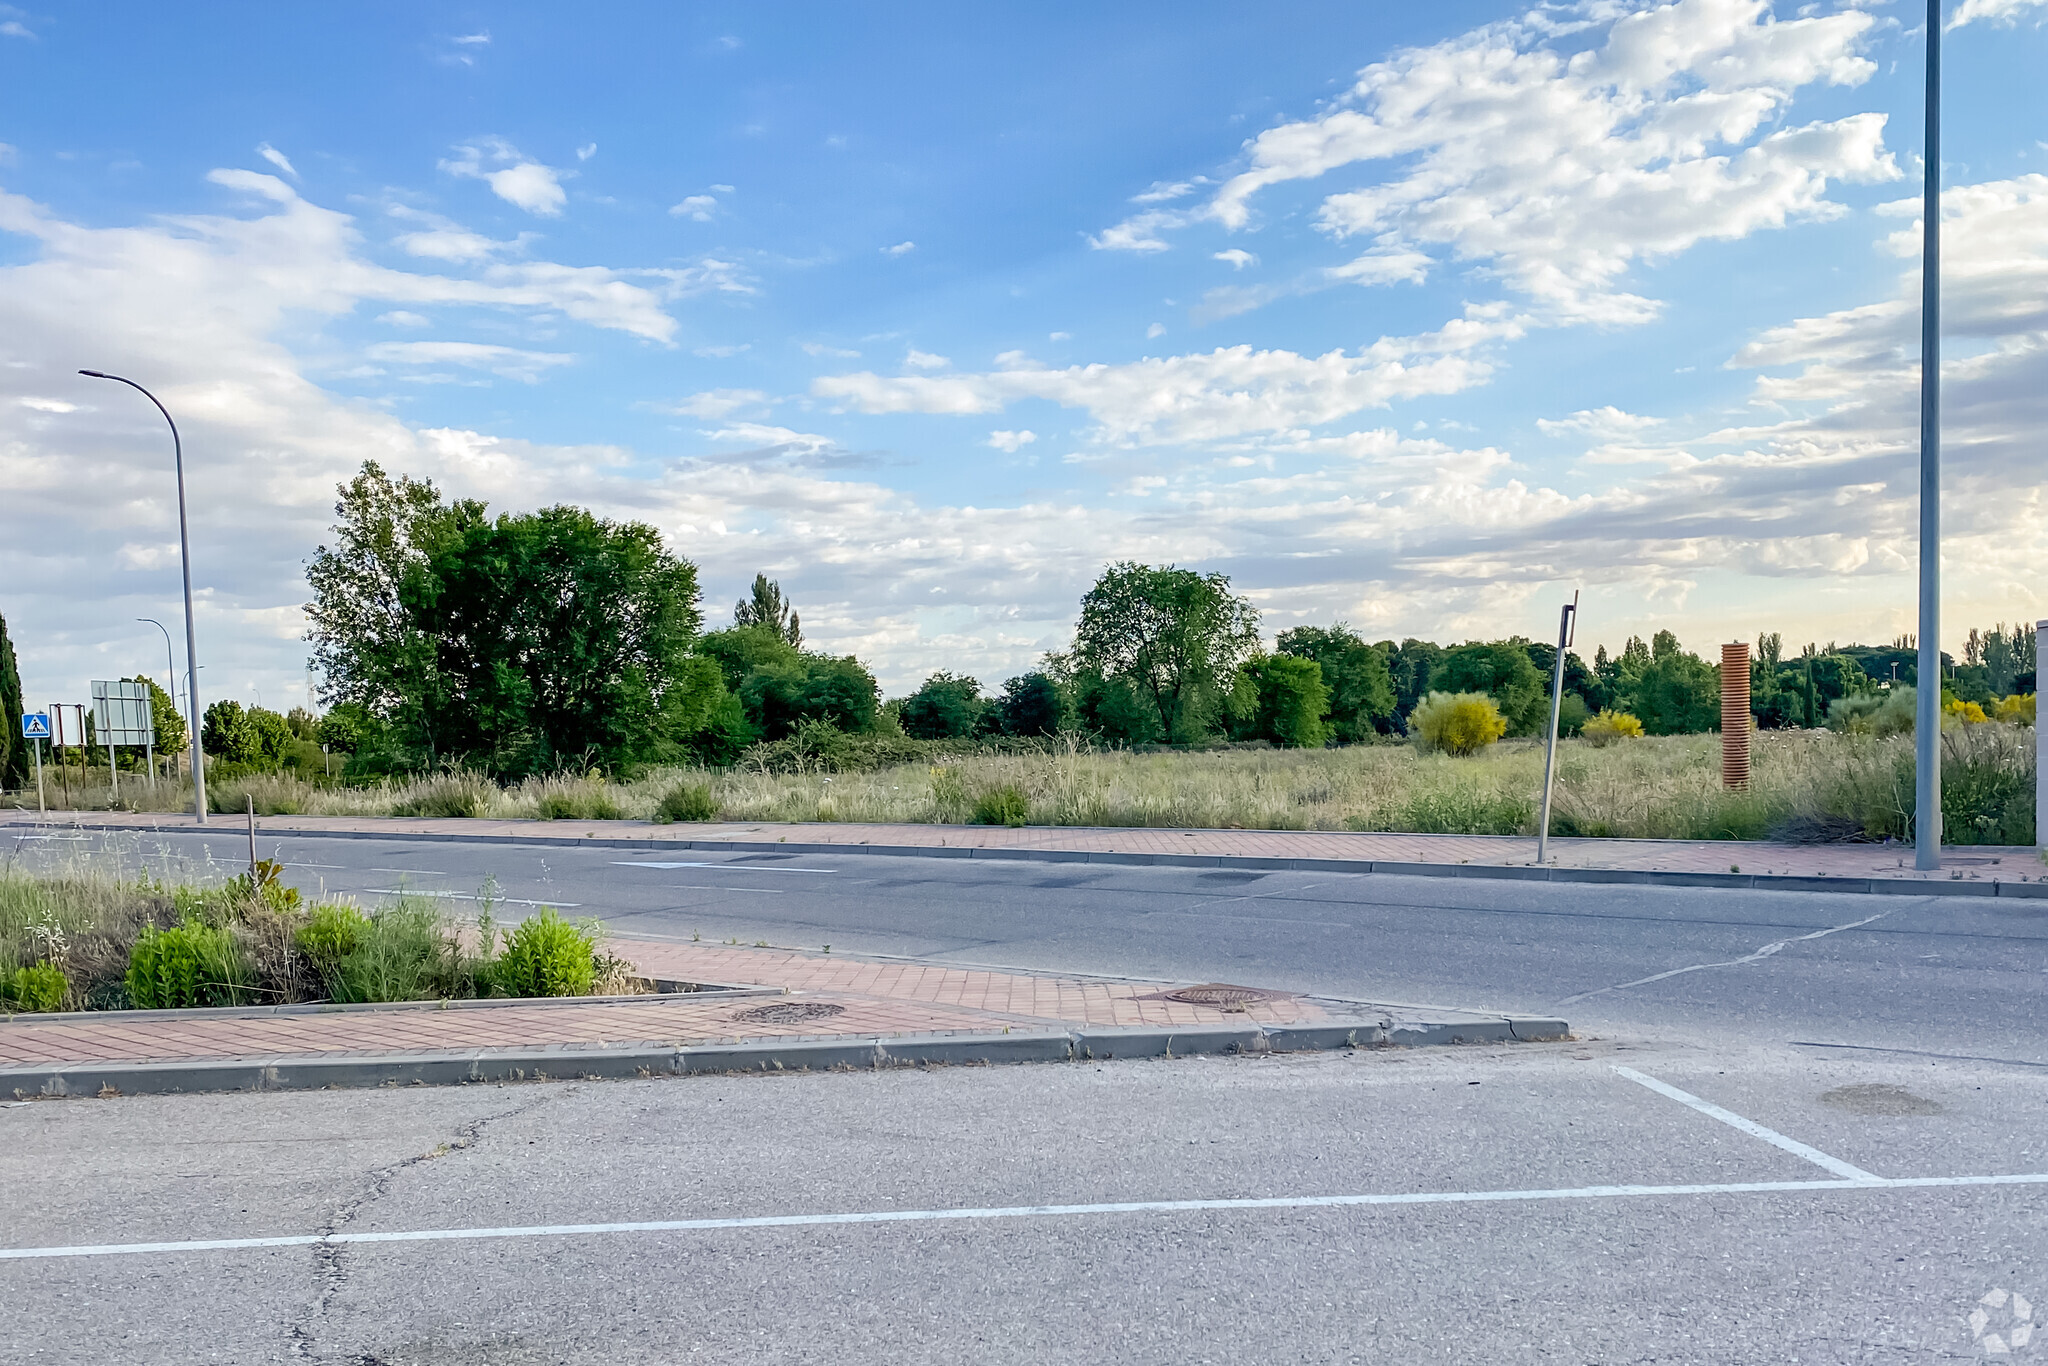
448, 794
39, 987
546, 955
1005, 805
405, 952
1610, 726
577, 800
1879, 714
1572, 714
686, 802
332, 933
188, 965
1457, 723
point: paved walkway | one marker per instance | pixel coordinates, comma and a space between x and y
1690, 856
806, 996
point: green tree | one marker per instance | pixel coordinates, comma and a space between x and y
1409, 666
1115, 710
1174, 636
947, 707
225, 732
518, 644
1291, 701
1500, 669
1361, 688
164, 718
1678, 693
17, 756
765, 607
739, 650
1033, 704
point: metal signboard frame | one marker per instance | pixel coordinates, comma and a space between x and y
121, 715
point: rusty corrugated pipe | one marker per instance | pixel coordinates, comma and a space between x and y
1735, 720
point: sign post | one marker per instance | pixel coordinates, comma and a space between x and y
121, 714
35, 725
68, 729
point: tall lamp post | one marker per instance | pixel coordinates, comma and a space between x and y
1927, 721
191, 639
170, 660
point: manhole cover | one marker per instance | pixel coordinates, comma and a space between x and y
789, 1012
1221, 994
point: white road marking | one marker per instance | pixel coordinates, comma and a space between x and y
726, 867
1753, 1129
464, 896
694, 887
414, 872
316, 865
1765, 952
443, 1235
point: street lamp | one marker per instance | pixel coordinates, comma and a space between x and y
191, 638
170, 659
1927, 721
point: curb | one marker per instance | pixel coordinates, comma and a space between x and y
1762, 882
357, 1071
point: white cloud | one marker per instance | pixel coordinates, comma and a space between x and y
586, 151
399, 317
14, 28
722, 352
1238, 258
46, 405
925, 360
899, 249
1009, 442
1609, 421
721, 189
1060, 336
514, 178
478, 39
1991, 11
1163, 191
508, 361
698, 208
277, 159
717, 404
1560, 152
1155, 330
820, 349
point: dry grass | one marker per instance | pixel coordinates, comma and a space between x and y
1806, 785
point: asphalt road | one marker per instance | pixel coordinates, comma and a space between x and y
1511, 1244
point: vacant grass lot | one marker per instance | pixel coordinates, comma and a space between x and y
1808, 785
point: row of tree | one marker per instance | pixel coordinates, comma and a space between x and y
528, 642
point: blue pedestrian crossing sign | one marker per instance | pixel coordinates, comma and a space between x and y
35, 725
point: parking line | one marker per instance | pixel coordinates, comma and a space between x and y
728, 867
443, 1235
1752, 1128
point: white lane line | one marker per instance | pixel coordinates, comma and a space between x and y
316, 865
695, 887
443, 1235
726, 867
1754, 1129
1765, 952
464, 896
414, 872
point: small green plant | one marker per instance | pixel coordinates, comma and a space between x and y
1457, 723
332, 933
187, 965
577, 799
459, 793
546, 955
1005, 805
1610, 726
687, 802
405, 952
39, 987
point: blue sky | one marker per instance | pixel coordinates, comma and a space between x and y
1418, 317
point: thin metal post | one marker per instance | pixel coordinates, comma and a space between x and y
113, 769
42, 809
1566, 629
252, 840
1927, 722
191, 637
2040, 748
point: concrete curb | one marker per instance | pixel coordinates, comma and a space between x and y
287, 1073
1761, 882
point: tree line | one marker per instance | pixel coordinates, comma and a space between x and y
531, 642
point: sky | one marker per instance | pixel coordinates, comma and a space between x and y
1420, 318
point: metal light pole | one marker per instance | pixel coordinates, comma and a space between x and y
1927, 721
191, 638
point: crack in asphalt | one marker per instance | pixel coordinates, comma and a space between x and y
330, 1274
1758, 955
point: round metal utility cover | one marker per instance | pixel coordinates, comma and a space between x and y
789, 1012
1222, 994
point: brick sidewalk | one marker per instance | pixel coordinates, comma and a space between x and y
2012, 864
833, 997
